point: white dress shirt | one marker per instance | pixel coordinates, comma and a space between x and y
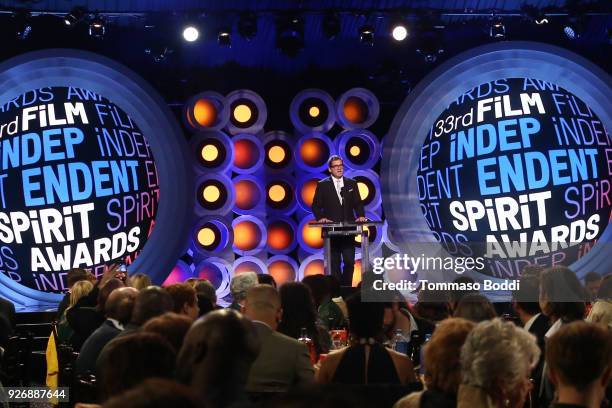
338, 184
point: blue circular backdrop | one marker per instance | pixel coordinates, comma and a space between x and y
86, 72
428, 162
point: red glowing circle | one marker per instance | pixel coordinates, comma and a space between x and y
245, 154
280, 235
355, 110
281, 271
247, 194
246, 235
314, 152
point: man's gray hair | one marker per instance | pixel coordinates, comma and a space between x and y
333, 158
241, 283
497, 352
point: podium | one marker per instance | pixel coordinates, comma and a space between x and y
336, 229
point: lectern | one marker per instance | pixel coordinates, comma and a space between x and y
334, 229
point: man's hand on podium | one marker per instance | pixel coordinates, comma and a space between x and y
322, 220
361, 219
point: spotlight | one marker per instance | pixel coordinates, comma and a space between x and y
247, 26
191, 33
224, 37
330, 25
497, 28
22, 23
534, 15
399, 32
159, 53
431, 47
97, 27
290, 35
366, 35
74, 17
574, 27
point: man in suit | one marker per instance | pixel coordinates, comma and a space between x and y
337, 199
282, 362
118, 310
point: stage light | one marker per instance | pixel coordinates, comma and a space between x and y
247, 26
205, 112
278, 148
314, 111
250, 235
242, 113
74, 16
280, 195
366, 35
224, 37
290, 35
249, 194
212, 194
282, 268
281, 236
354, 151
277, 193
399, 32
191, 33
430, 46
210, 153
497, 28
22, 24
206, 236
158, 53
330, 25
97, 27
276, 154
574, 27
355, 109
247, 155
534, 15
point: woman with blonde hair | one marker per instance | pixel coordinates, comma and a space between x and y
139, 281
601, 313
78, 290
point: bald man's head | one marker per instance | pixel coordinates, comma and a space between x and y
263, 303
120, 304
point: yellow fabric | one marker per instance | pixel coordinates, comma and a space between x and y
52, 366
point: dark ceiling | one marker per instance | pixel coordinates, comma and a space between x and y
387, 67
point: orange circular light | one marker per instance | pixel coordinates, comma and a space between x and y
277, 193
312, 236
281, 271
210, 153
206, 236
315, 267
311, 152
279, 236
355, 110
354, 151
242, 113
246, 235
245, 153
247, 267
205, 112
211, 193
364, 190
308, 191
314, 111
247, 194
276, 154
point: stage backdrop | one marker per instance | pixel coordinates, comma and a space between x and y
89, 155
503, 152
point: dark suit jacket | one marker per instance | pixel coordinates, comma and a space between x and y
7, 309
282, 362
539, 328
93, 346
326, 204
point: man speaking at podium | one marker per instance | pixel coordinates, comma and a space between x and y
337, 199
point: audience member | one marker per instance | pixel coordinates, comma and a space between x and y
78, 290
207, 296
442, 366
73, 276
455, 296
399, 317
216, 358
171, 326
579, 361
118, 310
282, 362
366, 360
87, 315
139, 281
185, 299
129, 360
592, 283
155, 393
150, 302
601, 313
266, 279
239, 286
605, 290
299, 312
329, 314
432, 306
496, 361
475, 307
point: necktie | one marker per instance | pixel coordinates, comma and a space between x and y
338, 190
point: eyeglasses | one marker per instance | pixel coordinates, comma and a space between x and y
336, 166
